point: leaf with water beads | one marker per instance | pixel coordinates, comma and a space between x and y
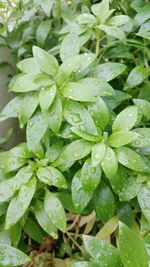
144, 201
78, 92
11, 109
98, 152
28, 65
80, 197
83, 264
136, 77
122, 138
108, 71
20, 203
113, 31
46, 97
143, 139
47, 63
10, 256
44, 220
102, 252
129, 158
143, 106
90, 176
36, 128
87, 136
25, 83
109, 163
98, 87
125, 120
9, 186
99, 112
53, 116
11, 162
78, 116
55, 211
73, 152
128, 241
70, 46
51, 176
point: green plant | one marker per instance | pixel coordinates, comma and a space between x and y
85, 111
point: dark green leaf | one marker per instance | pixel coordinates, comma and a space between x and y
42, 32
32, 229
104, 202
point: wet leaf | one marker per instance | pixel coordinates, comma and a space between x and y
143, 106
122, 138
20, 203
55, 211
113, 31
51, 176
46, 97
143, 139
10, 256
11, 109
53, 116
109, 163
98, 152
42, 32
77, 115
70, 46
129, 158
98, 87
28, 65
102, 253
144, 201
90, 176
79, 196
128, 241
136, 77
125, 120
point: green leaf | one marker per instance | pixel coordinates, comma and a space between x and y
70, 46
102, 252
54, 151
108, 71
122, 138
15, 234
25, 83
78, 92
109, 163
11, 109
51, 176
125, 185
78, 116
98, 152
99, 112
101, 10
36, 128
86, 18
87, 136
136, 77
43, 31
80, 197
47, 6
55, 211
20, 203
75, 64
10, 256
98, 87
73, 152
90, 176
47, 63
113, 31
54, 115
9, 186
143, 139
46, 97
129, 158
9, 162
144, 201
28, 65
44, 220
143, 106
21, 151
125, 120
119, 20
104, 202
32, 229
125, 214
130, 256
142, 15
27, 107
